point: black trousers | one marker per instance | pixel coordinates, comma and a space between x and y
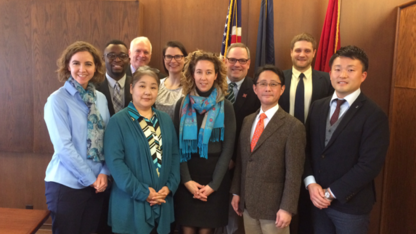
73, 210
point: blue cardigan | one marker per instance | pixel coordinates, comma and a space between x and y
128, 157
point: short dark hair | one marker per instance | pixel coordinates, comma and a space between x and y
269, 67
142, 71
173, 44
116, 42
352, 52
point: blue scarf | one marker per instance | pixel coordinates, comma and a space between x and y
95, 121
212, 127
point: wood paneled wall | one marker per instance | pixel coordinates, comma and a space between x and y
33, 34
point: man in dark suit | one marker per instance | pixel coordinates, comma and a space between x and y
299, 94
270, 160
245, 102
315, 84
140, 54
116, 86
348, 138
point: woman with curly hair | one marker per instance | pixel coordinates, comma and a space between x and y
205, 122
76, 115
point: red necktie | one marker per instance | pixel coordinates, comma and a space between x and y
258, 131
335, 115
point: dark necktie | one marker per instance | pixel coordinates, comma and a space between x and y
335, 115
231, 96
300, 99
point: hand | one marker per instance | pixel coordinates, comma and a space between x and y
155, 198
205, 192
317, 196
164, 191
193, 187
231, 165
283, 218
100, 183
235, 203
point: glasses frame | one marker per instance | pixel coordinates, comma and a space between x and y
109, 55
260, 84
241, 61
177, 57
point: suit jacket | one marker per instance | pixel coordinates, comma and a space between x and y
321, 87
246, 103
157, 71
269, 178
353, 156
103, 87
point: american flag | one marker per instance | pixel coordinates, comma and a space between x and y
232, 29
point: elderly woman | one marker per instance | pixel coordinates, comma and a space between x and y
145, 168
76, 115
206, 125
170, 89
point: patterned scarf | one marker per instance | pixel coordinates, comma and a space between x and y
212, 127
95, 121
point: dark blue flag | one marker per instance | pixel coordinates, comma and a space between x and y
265, 36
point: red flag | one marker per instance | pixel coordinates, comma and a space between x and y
330, 40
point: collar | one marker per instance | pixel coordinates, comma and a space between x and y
307, 73
112, 82
134, 114
132, 69
71, 89
238, 83
350, 98
270, 112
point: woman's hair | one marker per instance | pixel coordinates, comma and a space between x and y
143, 71
79, 46
193, 58
173, 44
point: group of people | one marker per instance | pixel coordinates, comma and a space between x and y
206, 149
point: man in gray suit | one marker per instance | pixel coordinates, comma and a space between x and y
270, 160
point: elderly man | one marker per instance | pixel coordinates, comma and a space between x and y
140, 53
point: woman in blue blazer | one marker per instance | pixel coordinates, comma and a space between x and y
141, 151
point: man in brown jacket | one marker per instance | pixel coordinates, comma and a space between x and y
270, 159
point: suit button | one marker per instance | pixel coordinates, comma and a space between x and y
323, 156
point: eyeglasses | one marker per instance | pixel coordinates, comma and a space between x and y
113, 56
234, 60
176, 57
272, 85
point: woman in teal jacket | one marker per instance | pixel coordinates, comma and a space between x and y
145, 168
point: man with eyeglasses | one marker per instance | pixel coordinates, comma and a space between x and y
304, 86
245, 102
140, 54
270, 160
116, 86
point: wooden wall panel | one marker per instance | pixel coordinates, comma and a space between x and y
16, 106
56, 24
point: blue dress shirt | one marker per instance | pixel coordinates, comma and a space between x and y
66, 118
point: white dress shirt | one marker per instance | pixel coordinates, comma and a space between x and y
269, 113
307, 80
237, 87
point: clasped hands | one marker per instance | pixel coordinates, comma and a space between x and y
157, 198
199, 191
317, 196
100, 184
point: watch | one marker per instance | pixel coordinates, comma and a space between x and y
328, 195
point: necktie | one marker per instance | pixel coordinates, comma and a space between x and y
300, 100
231, 96
118, 105
335, 115
258, 131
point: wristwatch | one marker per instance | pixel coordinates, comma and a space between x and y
328, 195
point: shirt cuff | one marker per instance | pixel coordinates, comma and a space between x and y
309, 180
333, 195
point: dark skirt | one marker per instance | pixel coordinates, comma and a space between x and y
194, 212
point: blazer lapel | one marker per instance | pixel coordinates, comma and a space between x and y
316, 85
246, 132
242, 94
127, 94
354, 108
322, 121
275, 123
106, 91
